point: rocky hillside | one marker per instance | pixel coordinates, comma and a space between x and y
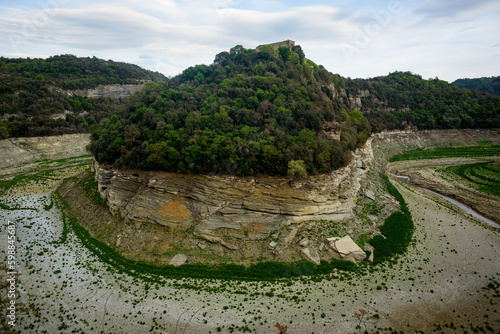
251, 219
212, 219
403, 99
272, 112
63, 94
19, 151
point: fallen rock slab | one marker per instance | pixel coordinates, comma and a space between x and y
178, 260
303, 243
310, 255
348, 249
216, 240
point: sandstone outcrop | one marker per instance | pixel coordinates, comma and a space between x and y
19, 151
220, 207
110, 91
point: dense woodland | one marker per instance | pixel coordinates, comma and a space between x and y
247, 113
403, 99
265, 113
490, 85
27, 98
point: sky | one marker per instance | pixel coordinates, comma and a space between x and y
448, 39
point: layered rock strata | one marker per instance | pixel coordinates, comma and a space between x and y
244, 207
116, 91
19, 151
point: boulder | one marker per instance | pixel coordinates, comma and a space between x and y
273, 244
118, 240
178, 260
311, 255
348, 250
332, 240
371, 257
334, 254
370, 194
304, 242
290, 232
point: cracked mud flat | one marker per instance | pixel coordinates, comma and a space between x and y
439, 281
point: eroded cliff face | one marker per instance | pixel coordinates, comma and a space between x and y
250, 207
110, 91
19, 151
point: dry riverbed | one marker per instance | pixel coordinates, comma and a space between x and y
448, 279
431, 174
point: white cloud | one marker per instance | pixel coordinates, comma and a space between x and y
455, 8
444, 38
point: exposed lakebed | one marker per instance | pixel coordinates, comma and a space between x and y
447, 279
462, 206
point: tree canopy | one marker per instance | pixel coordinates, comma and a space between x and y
247, 113
270, 112
28, 93
490, 85
403, 98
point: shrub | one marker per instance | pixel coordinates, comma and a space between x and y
397, 229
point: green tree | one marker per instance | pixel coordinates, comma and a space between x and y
297, 168
284, 52
4, 133
298, 50
324, 161
294, 57
269, 50
238, 49
222, 58
157, 156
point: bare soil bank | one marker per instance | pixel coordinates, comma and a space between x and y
431, 178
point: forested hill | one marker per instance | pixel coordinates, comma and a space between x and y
247, 113
72, 72
27, 99
275, 112
490, 85
402, 98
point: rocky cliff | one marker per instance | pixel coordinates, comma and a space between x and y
110, 91
251, 207
19, 151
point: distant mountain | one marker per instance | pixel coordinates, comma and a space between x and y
490, 85
31, 103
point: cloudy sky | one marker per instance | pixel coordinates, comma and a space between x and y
448, 39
